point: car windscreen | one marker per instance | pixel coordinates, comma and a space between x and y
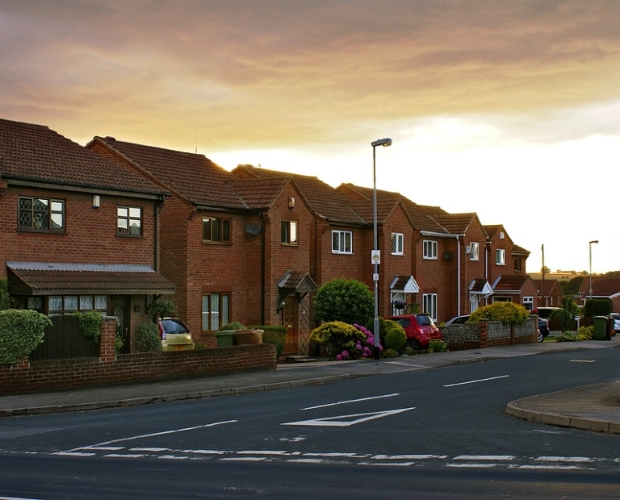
173, 327
424, 319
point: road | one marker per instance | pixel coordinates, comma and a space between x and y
438, 433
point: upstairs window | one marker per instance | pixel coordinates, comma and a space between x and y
474, 253
398, 244
500, 257
518, 266
216, 230
41, 214
430, 249
342, 242
288, 232
129, 221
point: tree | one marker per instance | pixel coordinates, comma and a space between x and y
349, 301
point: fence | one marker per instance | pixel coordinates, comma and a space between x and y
489, 334
64, 339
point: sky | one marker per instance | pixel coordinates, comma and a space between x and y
506, 108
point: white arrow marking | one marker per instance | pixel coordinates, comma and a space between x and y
340, 421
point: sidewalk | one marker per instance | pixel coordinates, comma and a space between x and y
594, 407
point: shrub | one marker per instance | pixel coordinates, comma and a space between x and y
344, 341
90, 325
390, 353
147, 338
506, 312
437, 346
568, 337
5, 298
597, 307
348, 301
20, 333
396, 339
274, 335
163, 308
384, 326
585, 332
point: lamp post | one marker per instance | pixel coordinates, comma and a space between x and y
375, 255
595, 242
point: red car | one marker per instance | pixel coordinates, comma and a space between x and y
419, 328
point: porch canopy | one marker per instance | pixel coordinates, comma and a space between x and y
52, 278
296, 282
480, 286
404, 284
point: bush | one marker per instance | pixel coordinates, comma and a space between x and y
147, 338
274, 335
5, 298
384, 326
344, 341
348, 301
506, 312
396, 339
597, 307
21, 331
568, 337
235, 325
390, 353
90, 325
163, 308
437, 346
586, 332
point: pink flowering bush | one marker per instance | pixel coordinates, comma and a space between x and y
344, 341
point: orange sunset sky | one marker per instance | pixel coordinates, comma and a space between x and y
509, 109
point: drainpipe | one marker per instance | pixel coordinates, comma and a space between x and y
263, 271
458, 276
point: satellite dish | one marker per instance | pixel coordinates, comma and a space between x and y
252, 229
447, 256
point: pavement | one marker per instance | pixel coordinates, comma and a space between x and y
592, 407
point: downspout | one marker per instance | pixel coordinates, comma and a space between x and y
156, 237
262, 277
458, 276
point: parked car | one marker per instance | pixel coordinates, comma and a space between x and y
616, 318
175, 335
544, 312
543, 325
458, 320
419, 328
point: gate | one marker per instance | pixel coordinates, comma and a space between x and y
64, 339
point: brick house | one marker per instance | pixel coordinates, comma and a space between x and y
78, 232
602, 288
550, 293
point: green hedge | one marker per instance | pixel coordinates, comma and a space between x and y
274, 335
21, 331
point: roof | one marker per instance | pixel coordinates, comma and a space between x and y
455, 223
404, 283
321, 198
259, 193
35, 153
298, 281
480, 286
517, 250
51, 278
192, 176
601, 287
510, 284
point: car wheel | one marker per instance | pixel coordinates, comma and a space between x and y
414, 344
541, 337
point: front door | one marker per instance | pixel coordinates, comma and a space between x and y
289, 320
120, 309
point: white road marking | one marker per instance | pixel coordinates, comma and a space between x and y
407, 457
339, 421
564, 459
477, 381
502, 458
351, 401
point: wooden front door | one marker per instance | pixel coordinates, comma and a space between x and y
289, 320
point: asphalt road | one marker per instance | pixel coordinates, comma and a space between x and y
438, 433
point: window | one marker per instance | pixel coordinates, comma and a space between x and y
474, 253
67, 304
430, 249
398, 244
41, 214
500, 257
216, 230
517, 264
129, 221
342, 242
528, 303
288, 232
215, 311
429, 304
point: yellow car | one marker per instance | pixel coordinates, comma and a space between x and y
174, 334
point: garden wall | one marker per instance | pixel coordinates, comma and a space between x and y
112, 369
489, 334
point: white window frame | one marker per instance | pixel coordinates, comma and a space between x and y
398, 244
342, 242
528, 303
500, 257
474, 253
216, 309
429, 305
429, 249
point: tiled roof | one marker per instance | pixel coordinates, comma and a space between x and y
517, 250
36, 153
46, 278
259, 193
492, 230
601, 287
480, 285
455, 223
322, 199
512, 283
192, 176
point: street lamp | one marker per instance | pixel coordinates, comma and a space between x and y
590, 245
375, 255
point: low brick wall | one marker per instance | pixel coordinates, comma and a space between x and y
108, 369
489, 334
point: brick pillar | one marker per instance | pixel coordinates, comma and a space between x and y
107, 344
484, 329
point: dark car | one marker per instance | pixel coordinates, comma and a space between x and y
419, 328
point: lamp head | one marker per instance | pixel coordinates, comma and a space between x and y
594, 241
381, 142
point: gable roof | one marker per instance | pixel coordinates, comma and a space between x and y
455, 223
36, 154
322, 199
191, 176
259, 193
601, 287
510, 283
